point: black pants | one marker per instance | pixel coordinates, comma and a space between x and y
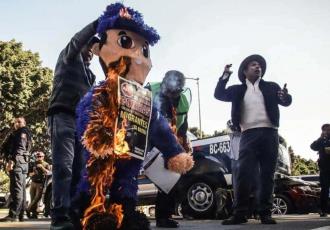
258, 148
325, 183
17, 192
165, 205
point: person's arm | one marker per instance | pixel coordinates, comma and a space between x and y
318, 144
78, 41
184, 128
221, 92
43, 168
19, 144
10, 165
182, 136
7, 148
24, 140
50, 168
283, 97
9, 153
162, 137
32, 171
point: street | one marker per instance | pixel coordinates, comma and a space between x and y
290, 222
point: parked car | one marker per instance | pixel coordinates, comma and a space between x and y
295, 196
206, 191
196, 189
4, 199
311, 178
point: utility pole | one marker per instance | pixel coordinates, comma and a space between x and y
199, 105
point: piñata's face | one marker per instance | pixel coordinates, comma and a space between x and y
122, 43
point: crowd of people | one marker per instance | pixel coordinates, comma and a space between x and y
254, 121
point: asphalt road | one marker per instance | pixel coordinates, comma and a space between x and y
289, 222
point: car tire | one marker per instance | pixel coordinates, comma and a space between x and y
199, 201
282, 205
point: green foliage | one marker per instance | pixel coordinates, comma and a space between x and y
4, 182
198, 133
25, 88
220, 133
301, 166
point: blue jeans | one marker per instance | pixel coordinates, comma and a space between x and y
67, 161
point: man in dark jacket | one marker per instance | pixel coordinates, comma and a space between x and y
72, 80
17, 148
322, 145
255, 109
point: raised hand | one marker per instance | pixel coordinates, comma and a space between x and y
282, 94
227, 72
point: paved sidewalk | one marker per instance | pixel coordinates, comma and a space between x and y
288, 222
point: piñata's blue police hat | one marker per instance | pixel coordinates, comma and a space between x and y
117, 16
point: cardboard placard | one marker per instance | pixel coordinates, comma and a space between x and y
155, 170
135, 107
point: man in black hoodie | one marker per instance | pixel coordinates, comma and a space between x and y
322, 145
255, 110
72, 80
17, 150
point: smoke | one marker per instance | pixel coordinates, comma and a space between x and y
157, 102
172, 83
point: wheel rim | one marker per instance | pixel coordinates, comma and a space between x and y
280, 206
179, 210
200, 197
152, 211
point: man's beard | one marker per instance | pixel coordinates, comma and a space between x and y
117, 66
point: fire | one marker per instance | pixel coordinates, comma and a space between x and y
121, 146
100, 174
182, 140
173, 121
105, 145
117, 210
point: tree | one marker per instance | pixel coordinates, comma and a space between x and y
197, 132
220, 133
25, 88
301, 166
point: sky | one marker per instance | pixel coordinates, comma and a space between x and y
199, 38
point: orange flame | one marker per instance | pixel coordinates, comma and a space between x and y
121, 146
117, 210
173, 121
100, 140
182, 140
